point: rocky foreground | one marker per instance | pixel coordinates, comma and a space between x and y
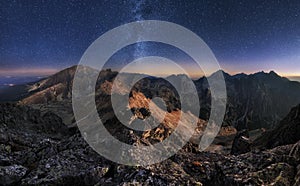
38, 149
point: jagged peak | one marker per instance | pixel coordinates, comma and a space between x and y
178, 76
225, 74
273, 73
240, 75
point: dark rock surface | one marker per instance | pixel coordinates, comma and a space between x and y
241, 143
38, 149
12, 174
286, 132
36, 154
254, 101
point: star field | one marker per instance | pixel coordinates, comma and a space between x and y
245, 35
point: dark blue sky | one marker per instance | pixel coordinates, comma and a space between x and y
245, 35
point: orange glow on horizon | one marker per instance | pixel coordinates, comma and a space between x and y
28, 71
192, 71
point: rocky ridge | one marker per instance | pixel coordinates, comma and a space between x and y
244, 93
38, 156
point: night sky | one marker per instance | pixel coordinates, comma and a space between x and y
42, 36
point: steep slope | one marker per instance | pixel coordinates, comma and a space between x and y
55, 87
286, 132
27, 119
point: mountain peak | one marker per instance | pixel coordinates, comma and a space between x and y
225, 74
273, 73
240, 75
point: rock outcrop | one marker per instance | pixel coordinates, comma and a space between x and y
241, 143
38, 155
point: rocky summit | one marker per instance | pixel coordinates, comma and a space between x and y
38, 149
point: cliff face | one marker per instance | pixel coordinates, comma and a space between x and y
286, 132
254, 101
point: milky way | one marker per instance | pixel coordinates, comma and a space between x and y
244, 35
137, 11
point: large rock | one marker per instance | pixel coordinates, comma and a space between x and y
241, 143
297, 177
295, 153
11, 174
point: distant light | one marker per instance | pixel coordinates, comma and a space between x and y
10, 84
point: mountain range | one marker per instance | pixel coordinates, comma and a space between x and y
41, 145
254, 101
